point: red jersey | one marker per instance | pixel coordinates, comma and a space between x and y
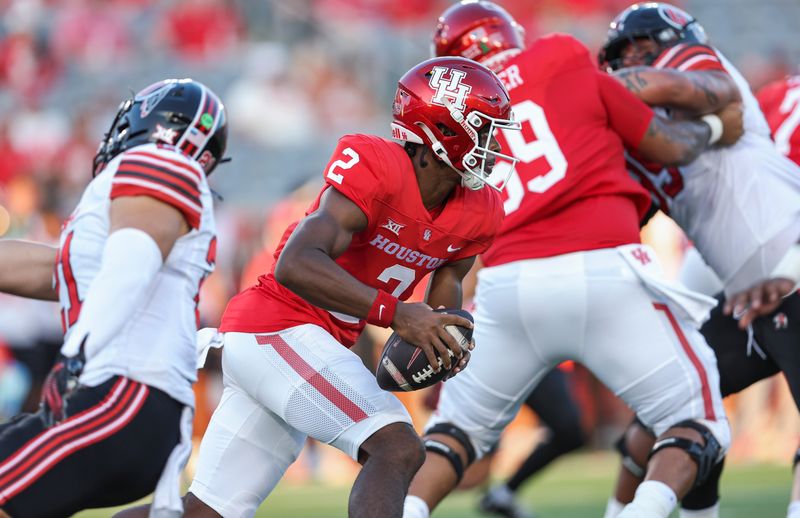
570, 190
402, 243
780, 102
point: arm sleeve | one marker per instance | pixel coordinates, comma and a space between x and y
692, 58
353, 172
131, 259
628, 115
160, 176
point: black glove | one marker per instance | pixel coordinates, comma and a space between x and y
59, 384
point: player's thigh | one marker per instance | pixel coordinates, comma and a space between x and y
741, 358
655, 361
779, 335
504, 367
244, 453
314, 383
110, 451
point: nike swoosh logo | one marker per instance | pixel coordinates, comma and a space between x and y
380, 311
451, 249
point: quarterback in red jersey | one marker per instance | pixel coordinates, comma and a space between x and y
780, 102
567, 277
387, 216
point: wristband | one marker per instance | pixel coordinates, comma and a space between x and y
382, 311
715, 123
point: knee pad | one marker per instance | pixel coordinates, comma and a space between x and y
705, 455
628, 462
705, 495
440, 448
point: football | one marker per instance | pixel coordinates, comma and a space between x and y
404, 367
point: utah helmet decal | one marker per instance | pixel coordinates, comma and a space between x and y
674, 16
151, 99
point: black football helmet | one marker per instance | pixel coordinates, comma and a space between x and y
180, 112
662, 23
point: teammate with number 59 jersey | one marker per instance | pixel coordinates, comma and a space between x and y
567, 277
569, 153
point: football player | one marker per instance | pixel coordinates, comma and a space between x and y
116, 412
567, 277
388, 215
748, 193
780, 102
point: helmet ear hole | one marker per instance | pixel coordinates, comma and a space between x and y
446, 131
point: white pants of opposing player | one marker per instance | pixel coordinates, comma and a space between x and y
279, 389
594, 308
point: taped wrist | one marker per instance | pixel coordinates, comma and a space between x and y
381, 313
715, 123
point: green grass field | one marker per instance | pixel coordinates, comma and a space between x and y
576, 487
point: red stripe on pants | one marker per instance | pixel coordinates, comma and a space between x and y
313, 377
708, 403
80, 431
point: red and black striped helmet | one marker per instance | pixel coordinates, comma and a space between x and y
663, 23
180, 112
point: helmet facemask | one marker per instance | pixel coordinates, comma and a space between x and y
476, 164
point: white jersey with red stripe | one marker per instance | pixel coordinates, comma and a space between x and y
740, 205
157, 345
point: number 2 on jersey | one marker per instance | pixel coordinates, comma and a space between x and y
354, 158
400, 273
544, 145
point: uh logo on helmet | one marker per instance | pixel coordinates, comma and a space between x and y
455, 107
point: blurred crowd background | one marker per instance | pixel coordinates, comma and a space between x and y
294, 75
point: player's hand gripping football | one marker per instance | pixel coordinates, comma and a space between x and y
418, 324
61, 381
762, 299
732, 124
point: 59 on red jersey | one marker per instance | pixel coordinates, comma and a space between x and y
575, 122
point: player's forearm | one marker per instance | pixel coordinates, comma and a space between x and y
674, 143
313, 275
131, 259
26, 269
697, 93
446, 286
